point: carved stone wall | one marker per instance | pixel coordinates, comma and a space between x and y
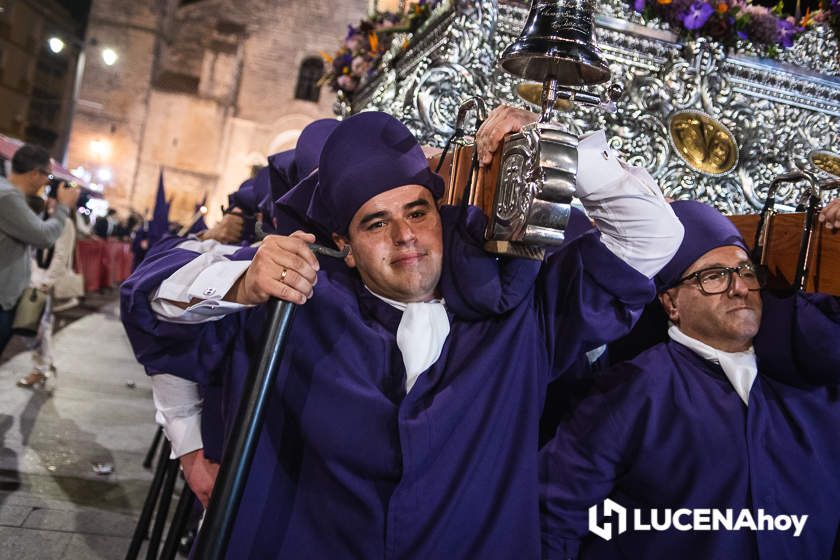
777, 111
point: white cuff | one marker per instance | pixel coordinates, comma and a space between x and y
215, 281
184, 435
178, 411
209, 284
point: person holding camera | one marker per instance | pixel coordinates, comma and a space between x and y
20, 228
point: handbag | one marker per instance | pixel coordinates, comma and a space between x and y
70, 285
30, 309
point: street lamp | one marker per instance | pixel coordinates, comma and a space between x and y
109, 56
101, 149
56, 44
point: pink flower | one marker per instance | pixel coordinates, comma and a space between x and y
354, 42
360, 66
346, 83
819, 16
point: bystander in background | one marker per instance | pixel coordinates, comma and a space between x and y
21, 229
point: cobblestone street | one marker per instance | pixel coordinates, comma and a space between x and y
52, 503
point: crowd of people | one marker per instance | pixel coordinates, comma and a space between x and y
405, 417
40, 226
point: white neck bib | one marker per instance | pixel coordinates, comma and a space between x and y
420, 336
740, 368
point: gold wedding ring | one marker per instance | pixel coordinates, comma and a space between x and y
283, 274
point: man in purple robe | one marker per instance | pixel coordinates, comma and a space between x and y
404, 420
739, 411
285, 170
189, 412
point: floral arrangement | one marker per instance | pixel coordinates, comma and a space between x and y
358, 58
730, 21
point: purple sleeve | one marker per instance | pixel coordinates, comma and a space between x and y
243, 254
588, 297
167, 242
580, 465
476, 284
193, 352
585, 295
799, 338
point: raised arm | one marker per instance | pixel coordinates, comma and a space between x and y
593, 288
19, 222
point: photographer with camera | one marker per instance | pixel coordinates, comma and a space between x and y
20, 228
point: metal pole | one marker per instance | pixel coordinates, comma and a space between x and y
150, 455
142, 527
179, 523
172, 466
71, 113
800, 279
239, 451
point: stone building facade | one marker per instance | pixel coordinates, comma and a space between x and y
36, 84
203, 90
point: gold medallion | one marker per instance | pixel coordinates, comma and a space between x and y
703, 142
826, 161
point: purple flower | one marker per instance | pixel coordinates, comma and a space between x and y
697, 15
639, 5
787, 32
743, 36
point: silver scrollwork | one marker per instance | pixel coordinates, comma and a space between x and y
777, 112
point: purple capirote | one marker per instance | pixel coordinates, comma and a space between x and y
705, 229
366, 155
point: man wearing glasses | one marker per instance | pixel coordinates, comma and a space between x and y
739, 410
20, 228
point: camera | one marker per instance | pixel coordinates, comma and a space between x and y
53, 186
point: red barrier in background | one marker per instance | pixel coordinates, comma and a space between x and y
102, 263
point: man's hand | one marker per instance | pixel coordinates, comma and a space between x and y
830, 215
283, 267
501, 121
67, 196
228, 230
200, 474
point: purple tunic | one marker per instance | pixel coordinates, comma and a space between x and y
667, 430
348, 465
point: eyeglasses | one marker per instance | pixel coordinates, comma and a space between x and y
718, 279
236, 211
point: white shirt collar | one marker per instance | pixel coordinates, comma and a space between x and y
740, 368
